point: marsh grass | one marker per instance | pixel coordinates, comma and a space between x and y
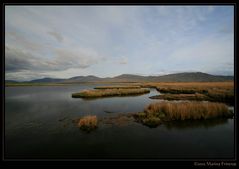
212, 91
117, 87
191, 85
88, 123
176, 90
109, 92
164, 112
151, 121
197, 96
188, 110
223, 96
120, 120
220, 95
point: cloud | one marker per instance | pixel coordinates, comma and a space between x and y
76, 58
18, 60
212, 54
17, 39
25, 75
70, 40
56, 35
123, 60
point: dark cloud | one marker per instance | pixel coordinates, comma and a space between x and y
18, 60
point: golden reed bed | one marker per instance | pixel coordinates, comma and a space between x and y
109, 92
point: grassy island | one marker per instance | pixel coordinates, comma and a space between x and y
156, 113
109, 92
207, 91
117, 87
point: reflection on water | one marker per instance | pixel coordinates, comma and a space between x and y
195, 123
38, 124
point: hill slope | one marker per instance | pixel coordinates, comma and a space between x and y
177, 77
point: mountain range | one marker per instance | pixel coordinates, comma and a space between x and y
177, 77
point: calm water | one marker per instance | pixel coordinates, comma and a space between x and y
38, 124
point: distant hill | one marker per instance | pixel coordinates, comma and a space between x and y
177, 77
192, 77
89, 78
130, 78
10, 81
47, 80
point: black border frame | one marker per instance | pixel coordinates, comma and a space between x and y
164, 162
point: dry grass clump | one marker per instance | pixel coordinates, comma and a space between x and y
109, 92
148, 85
188, 110
197, 96
117, 87
220, 95
194, 85
212, 91
176, 90
147, 119
118, 120
151, 122
198, 87
88, 123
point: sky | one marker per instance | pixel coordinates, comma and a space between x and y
106, 41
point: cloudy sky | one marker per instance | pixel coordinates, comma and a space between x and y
106, 41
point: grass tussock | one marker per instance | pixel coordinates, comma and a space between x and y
109, 92
119, 120
117, 87
88, 123
188, 110
151, 122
